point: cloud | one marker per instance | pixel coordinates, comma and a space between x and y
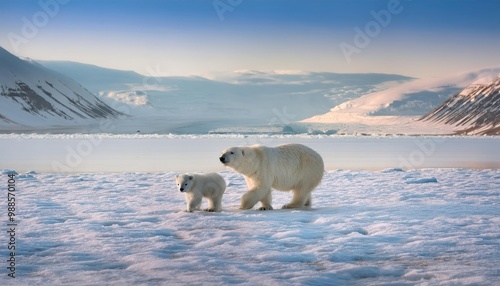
135, 98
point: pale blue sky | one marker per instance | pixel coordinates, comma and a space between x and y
422, 38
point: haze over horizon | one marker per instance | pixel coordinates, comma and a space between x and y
170, 38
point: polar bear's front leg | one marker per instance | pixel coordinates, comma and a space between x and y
266, 202
194, 202
253, 196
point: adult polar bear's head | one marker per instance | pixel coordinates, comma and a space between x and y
241, 159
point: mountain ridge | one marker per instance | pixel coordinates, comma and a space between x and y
381, 112
475, 109
239, 100
32, 95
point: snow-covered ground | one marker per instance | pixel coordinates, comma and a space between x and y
389, 227
103, 209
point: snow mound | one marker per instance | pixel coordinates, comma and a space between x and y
8, 172
422, 181
392, 170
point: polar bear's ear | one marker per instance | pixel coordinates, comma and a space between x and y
176, 176
243, 152
190, 177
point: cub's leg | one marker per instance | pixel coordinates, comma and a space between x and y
194, 202
214, 205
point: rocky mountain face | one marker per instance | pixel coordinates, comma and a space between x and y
34, 96
474, 110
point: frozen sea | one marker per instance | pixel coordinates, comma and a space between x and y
104, 210
199, 153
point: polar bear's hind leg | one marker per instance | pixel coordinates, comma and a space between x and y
301, 198
213, 205
308, 201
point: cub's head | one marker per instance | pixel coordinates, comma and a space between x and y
233, 157
184, 182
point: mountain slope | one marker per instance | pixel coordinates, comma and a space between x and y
34, 96
475, 109
398, 108
228, 102
95, 78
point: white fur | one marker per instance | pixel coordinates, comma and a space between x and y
289, 167
197, 186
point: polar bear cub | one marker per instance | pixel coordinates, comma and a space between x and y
197, 186
288, 167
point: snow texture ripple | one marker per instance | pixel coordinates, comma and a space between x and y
391, 227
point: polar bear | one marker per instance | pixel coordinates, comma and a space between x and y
197, 186
288, 167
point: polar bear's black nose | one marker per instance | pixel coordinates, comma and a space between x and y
182, 189
222, 159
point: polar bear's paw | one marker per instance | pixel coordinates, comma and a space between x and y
209, 210
268, 208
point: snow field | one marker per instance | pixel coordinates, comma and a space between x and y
418, 227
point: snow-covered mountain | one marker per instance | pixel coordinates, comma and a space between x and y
397, 109
474, 110
248, 101
243, 101
33, 96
